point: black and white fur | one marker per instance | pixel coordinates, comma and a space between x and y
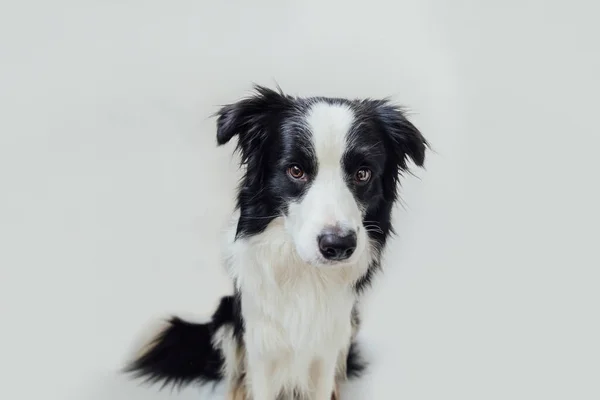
313, 216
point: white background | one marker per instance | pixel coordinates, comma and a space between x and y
113, 193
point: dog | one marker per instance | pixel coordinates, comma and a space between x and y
313, 215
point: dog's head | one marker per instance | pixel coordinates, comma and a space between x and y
328, 167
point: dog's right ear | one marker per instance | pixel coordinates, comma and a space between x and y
249, 119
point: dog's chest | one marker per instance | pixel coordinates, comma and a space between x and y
306, 320
289, 306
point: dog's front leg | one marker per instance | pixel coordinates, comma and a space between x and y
324, 378
238, 392
336, 392
261, 382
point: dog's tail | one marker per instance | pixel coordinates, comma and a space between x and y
184, 352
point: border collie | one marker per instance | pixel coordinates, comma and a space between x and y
313, 215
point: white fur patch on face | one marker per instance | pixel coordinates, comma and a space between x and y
329, 125
328, 204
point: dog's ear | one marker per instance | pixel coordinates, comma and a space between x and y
250, 119
405, 139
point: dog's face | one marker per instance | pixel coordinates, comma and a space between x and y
328, 167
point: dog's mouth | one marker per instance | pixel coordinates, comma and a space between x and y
321, 262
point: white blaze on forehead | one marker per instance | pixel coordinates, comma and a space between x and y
328, 202
329, 125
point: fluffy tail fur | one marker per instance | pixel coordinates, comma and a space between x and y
185, 352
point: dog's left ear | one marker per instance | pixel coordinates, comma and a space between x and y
405, 139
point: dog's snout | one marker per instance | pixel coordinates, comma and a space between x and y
335, 246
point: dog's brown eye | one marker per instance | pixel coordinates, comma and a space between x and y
296, 172
363, 175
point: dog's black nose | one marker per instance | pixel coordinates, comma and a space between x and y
337, 247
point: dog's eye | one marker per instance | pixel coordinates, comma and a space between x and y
296, 172
363, 175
